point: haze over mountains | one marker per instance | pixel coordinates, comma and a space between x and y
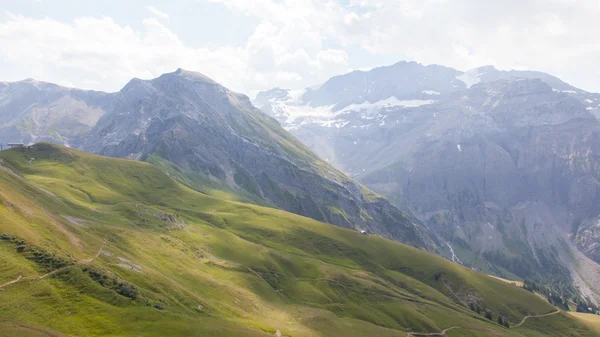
493, 169
501, 164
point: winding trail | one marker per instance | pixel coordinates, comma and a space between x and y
443, 333
11, 282
535, 316
86, 261
33, 278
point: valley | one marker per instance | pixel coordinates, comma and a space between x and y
242, 270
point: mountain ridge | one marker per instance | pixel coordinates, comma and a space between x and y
213, 138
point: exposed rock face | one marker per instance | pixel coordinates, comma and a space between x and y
506, 167
587, 238
403, 80
500, 163
32, 111
202, 127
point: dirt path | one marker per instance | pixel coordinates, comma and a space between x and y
535, 316
11, 282
86, 261
82, 262
443, 333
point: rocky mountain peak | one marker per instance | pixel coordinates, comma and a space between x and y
276, 94
178, 80
137, 87
194, 85
403, 80
485, 69
513, 86
190, 75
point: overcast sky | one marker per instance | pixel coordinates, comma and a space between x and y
251, 45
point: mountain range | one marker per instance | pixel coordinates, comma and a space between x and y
501, 164
207, 136
214, 211
492, 169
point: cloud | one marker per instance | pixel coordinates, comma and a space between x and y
556, 36
159, 14
99, 53
298, 43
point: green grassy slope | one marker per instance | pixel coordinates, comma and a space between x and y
172, 261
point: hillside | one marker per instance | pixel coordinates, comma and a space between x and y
101, 246
208, 137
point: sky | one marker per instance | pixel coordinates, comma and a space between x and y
253, 45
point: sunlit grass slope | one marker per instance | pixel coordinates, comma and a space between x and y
590, 320
180, 263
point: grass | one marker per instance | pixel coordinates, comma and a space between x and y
513, 282
566, 322
201, 183
19, 329
233, 269
589, 320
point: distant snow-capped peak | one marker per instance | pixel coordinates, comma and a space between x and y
290, 109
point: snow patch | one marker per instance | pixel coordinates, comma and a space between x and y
589, 101
341, 124
387, 103
470, 78
430, 92
569, 91
293, 113
382, 123
459, 147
